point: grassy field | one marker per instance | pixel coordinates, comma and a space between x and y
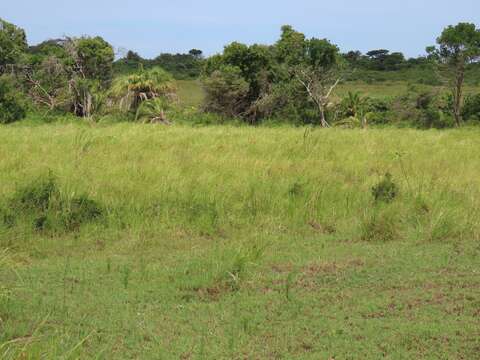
190, 92
234, 243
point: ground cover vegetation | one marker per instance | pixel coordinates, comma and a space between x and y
193, 207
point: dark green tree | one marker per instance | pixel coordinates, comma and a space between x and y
133, 56
292, 47
13, 43
319, 73
11, 104
93, 58
196, 53
458, 46
227, 92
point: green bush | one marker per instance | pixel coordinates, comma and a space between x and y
37, 195
471, 109
386, 190
13, 43
41, 204
78, 211
226, 92
381, 226
12, 107
129, 92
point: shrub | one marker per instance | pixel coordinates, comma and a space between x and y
87, 97
381, 226
37, 195
78, 211
226, 92
153, 111
471, 109
41, 204
386, 190
130, 91
424, 100
435, 118
12, 107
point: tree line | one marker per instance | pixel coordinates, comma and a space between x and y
293, 80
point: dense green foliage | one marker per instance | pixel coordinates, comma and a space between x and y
148, 89
458, 46
13, 43
12, 107
181, 66
94, 58
295, 80
255, 82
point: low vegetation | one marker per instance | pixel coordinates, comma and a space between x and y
239, 226
247, 242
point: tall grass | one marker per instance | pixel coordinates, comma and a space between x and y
229, 180
217, 241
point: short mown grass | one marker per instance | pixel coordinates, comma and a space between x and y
238, 242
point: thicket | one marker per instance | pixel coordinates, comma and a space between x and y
12, 106
293, 80
42, 206
181, 66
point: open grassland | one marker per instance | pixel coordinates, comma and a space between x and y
233, 243
190, 92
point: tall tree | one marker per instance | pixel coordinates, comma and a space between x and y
196, 53
292, 46
13, 42
94, 58
458, 46
320, 73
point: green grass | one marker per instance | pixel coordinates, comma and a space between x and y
241, 242
191, 94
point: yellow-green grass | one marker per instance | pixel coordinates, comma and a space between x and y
239, 242
393, 88
191, 93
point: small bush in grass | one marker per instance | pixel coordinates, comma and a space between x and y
80, 210
36, 196
381, 226
42, 204
7, 218
386, 190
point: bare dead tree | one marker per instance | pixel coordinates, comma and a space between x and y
319, 84
47, 83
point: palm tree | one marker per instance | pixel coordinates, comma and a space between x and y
354, 106
153, 111
132, 90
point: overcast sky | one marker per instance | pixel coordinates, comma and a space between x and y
154, 26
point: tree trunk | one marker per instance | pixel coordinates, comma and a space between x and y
458, 93
323, 120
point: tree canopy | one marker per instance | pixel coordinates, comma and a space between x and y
13, 43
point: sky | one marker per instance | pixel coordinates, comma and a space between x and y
151, 27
